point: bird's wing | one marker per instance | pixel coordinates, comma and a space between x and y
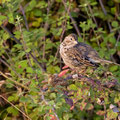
91, 55
77, 57
88, 53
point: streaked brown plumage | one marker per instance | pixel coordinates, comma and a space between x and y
78, 55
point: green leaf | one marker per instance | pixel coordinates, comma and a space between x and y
113, 10
80, 39
11, 18
23, 63
112, 40
35, 24
29, 70
93, 3
67, 116
17, 34
111, 115
21, 54
89, 106
52, 95
31, 5
113, 68
5, 36
2, 18
58, 0
13, 111
73, 87
11, 98
14, 97
24, 99
37, 12
28, 50
74, 14
117, 99
115, 24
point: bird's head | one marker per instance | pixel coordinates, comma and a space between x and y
70, 40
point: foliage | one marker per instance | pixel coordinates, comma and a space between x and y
29, 59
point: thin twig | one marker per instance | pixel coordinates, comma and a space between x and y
46, 102
110, 28
72, 19
23, 41
53, 109
92, 15
105, 111
23, 12
6, 64
118, 38
12, 36
16, 107
17, 83
94, 20
61, 38
102, 6
46, 25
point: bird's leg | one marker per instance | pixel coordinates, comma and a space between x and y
62, 73
74, 71
82, 71
64, 67
78, 71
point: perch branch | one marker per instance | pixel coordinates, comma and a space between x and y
114, 85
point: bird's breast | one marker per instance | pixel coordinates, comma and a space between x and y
63, 51
67, 60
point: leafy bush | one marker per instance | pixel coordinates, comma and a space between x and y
31, 32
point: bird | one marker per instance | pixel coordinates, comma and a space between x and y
78, 55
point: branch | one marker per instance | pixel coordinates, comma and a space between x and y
18, 41
72, 19
53, 109
16, 107
110, 28
23, 12
11, 35
102, 6
114, 85
17, 83
6, 64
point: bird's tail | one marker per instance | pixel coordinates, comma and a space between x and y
108, 62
